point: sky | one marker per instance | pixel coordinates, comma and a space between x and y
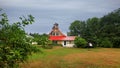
63, 12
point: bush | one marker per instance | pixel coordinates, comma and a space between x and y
106, 43
80, 42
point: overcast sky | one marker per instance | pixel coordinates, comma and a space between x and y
63, 12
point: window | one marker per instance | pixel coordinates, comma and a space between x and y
70, 42
53, 33
54, 42
57, 34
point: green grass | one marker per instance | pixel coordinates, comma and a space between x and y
60, 57
59, 52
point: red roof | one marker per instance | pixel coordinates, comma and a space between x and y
56, 38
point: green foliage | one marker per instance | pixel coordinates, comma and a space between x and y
116, 42
14, 46
42, 40
36, 37
77, 27
45, 40
106, 43
35, 49
110, 27
80, 42
96, 29
50, 46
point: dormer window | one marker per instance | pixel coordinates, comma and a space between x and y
53, 33
57, 33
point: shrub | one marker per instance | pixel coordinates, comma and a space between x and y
80, 42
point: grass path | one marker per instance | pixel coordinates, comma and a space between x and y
59, 57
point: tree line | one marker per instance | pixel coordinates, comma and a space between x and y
102, 32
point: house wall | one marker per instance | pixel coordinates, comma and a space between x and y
68, 44
59, 42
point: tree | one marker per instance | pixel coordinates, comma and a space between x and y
92, 30
88, 30
110, 27
36, 37
77, 28
106, 43
14, 46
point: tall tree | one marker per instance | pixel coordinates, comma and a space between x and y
92, 29
77, 28
14, 47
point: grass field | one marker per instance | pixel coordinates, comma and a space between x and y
60, 57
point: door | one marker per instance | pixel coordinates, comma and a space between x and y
64, 42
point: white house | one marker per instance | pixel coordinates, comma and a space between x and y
57, 37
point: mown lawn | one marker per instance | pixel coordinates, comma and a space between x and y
60, 57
